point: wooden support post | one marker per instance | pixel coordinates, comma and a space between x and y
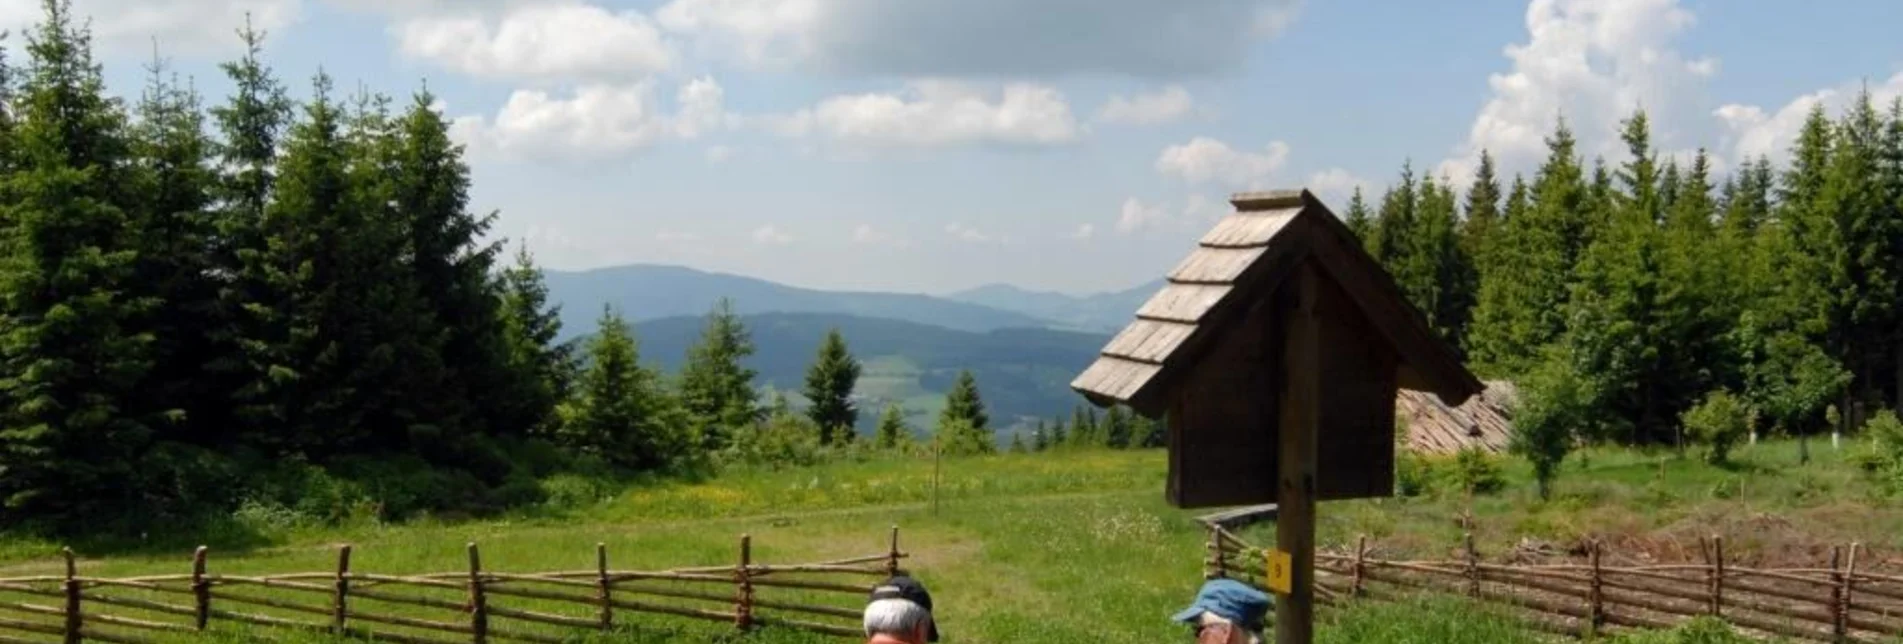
1597, 595
1295, 467
1361, 559
201, 590
1212, 566
1838, 629
478, 604
340, 602
72, 597
1718, 576
604, 588
743, 586
1473, 566
892, 555
1849, 585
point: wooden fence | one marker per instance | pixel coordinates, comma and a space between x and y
474, 605
1834, 603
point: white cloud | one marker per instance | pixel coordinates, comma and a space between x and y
676, 236
1335, 186
593, 121
935, 113
1595, 61
538, 42
1751, 131
719, 154
1137, 215
965, 233
182, 27
1084, 231
1168, 105
1204, 160
769, 235
866, 234
1008, 38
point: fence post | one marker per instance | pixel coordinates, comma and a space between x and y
1849, 583
1473, 567
1361, 557
478, 605
604, 588
1212, 567
72, 597
1838, 630
201, 590
1718, 576
892, 555
743, 586
1597, 595
339, 608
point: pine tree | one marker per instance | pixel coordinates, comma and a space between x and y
716, 388
172, 170
1017, 443
1041, 438
892, 430
1358, 219
963, 424
71, 350
541, 368
1391, 243
1080, 427
1483, 218
829, 384
1857, 199
1521, 304
1694, 312
1117, 428
1816, 272
1059, 435
251, 126
1151, 434
620, 412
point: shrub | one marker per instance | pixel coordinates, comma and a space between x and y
785, 440
1553, 404
1718, 422
1881, 457
1473, 470
1413, 475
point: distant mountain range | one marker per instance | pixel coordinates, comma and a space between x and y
1023, 346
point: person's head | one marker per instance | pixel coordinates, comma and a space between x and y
1227, 611
901, 608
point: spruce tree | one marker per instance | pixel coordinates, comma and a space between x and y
1391, 241
1482, 221
1358, 219
541, 368
1521, 303
716, 387
892, 430
1017, 443
1059, 436
251, 126
829, 384
1857, 200
1150, 433
72, 352
1117, 428
620, 412
1816, 265
1041, 438
963, 423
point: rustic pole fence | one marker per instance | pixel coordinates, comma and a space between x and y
478, 601
604, 588
72, 588
743, 586
341, 610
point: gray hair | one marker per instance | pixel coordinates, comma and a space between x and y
895, 617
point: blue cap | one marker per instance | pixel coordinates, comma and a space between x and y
1230, 599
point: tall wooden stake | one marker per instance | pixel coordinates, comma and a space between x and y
339, 607
604, 588
937, 448
743, 586
1718, 576
892, 555
1473, 567
72, 597
478, 604
1295, 491
1598, 593
1838, 629
201, 590
1361, 559
1849, 583
1212, 564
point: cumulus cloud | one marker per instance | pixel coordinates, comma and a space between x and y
182, 27
999, 38
1335, 186
1752, 131
1169, 104
719, 154
1595, 61
866, 234
1084, 231
592, 122
537, 42
1207, 160
770, 235
967, 234
1137, 215
935, 113
676, 236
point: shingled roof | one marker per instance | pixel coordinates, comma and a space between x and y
1242, 259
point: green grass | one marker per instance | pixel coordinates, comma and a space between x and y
1072, 547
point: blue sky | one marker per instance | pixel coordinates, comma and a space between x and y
1077, 145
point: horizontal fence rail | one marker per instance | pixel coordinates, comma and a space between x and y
474, 605
1833, 603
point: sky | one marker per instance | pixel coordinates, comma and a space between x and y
1070, 145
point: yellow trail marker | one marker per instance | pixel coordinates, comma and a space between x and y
1281, 569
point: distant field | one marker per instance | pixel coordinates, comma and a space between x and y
1079, 547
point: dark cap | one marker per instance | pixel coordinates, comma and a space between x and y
907, 588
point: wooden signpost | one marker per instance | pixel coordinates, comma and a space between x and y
1276, 350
